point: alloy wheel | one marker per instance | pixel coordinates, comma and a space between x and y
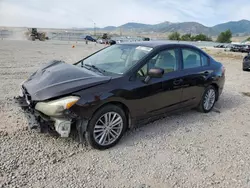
108, 128
209, 99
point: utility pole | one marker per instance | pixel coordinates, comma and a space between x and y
94, 30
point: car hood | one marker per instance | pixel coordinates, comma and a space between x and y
58, 78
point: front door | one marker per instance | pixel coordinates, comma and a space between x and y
160, 94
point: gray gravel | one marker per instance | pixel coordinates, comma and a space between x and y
189, 149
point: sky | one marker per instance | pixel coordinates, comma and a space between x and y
86, 13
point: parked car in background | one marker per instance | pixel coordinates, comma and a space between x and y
90, 38
111, 42
236, 48
146, 39
119, 87
245, 48
100, 41
228, 48
240, 48
219, 46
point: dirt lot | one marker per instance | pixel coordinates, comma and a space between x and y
184, 150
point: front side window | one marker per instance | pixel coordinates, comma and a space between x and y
166, 60
117, 58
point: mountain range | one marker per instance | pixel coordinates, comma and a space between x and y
241, 27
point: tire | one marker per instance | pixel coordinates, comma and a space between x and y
202, 107
94, 139
244, 69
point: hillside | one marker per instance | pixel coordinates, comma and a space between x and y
188, 27
242, 26
237, 27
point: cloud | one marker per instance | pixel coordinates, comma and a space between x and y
78, 13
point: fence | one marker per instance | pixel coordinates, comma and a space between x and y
67, 36
79, 36
5, 34
60, 35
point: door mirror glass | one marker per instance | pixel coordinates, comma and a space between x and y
156, 72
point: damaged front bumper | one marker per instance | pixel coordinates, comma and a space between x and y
37, 120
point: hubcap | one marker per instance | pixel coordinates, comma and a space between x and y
108, 128
209, 99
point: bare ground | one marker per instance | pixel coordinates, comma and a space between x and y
189, 149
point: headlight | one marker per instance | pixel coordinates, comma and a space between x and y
56, 107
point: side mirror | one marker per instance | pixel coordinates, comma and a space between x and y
154, 73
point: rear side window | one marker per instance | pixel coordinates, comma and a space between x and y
204, 60
191, 58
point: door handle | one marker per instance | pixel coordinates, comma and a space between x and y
177, 81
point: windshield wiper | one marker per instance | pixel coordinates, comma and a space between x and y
94, 67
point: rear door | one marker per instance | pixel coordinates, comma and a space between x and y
195, 71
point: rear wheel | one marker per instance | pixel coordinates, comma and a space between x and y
106, 127
208, 99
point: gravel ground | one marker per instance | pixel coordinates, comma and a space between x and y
189, 149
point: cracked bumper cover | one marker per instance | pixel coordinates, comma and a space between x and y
37, 120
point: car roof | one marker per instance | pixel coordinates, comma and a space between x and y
154, 44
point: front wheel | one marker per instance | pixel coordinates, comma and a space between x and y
208, 100
106, 127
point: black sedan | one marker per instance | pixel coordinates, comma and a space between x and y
119, 87
246, 63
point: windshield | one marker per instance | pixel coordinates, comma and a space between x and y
117, 58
